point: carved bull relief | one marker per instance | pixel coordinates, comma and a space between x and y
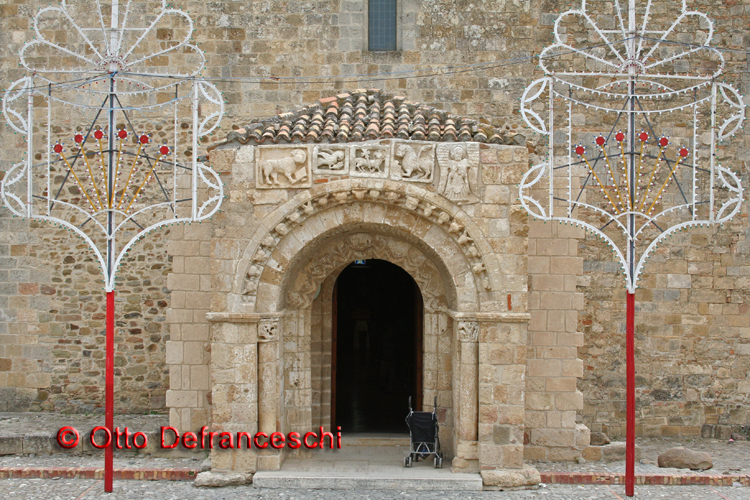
283, 167
413, 162
369, 161
331, 159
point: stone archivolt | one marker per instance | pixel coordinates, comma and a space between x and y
350, 247
415, 200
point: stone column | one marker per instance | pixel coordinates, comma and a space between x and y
268, 396
466, 459
234, 386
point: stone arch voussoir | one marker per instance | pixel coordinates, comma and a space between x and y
434, 221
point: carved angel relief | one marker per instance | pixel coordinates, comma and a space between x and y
283, 167
413, 162
459, 169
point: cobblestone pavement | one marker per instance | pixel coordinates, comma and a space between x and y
61, 489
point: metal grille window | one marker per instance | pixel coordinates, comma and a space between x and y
381, 25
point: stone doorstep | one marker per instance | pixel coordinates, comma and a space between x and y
189, 474
453, 482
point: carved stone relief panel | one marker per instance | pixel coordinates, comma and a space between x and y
369, 161
331, 159
459, 171
413, 162
283, 167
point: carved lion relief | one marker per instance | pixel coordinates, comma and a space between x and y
413, 162
283, 167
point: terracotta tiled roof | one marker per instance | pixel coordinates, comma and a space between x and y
362, 115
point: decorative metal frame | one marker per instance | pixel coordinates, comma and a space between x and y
632, 87
114, 90
641, 69
134, 122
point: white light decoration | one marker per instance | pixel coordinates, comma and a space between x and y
112, 112
614, 164
113, 128
633, 110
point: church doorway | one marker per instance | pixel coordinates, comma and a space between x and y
376, 348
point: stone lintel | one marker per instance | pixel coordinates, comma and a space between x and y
225, 317
490, 317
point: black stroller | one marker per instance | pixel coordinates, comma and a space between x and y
423, 436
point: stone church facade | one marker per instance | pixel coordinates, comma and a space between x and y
232, 323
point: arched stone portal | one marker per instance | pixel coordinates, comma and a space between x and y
299, 213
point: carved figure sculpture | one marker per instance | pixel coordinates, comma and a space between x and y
455, 166
332, 160
273, 167
415, 165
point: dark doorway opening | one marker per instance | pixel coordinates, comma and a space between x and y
377, 346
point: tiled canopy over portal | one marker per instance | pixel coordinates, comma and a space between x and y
367, 175
364, 115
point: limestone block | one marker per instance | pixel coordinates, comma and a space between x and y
40, 444
616, 451
209, 479
511, 478
684, 458
11, 444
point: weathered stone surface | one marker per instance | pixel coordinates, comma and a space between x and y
208, 479
11, 444
599, 439
684, 458
511, 478
616, 451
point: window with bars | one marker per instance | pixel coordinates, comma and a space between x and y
381, 25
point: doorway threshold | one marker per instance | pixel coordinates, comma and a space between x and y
366, 467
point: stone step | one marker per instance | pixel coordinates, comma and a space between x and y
403, 482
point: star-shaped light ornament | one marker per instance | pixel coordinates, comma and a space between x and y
634, 114
112, 140
112, 130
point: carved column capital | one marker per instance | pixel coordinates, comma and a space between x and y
468, 331
268, 330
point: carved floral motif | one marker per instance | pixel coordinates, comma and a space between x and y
468, 331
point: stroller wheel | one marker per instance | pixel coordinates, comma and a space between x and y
438, 462
407, 461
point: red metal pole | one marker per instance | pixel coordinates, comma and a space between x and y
630, 369
109, 392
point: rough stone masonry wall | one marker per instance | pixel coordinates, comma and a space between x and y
326, 37
257, 40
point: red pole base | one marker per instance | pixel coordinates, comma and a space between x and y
109, 393
630, 390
